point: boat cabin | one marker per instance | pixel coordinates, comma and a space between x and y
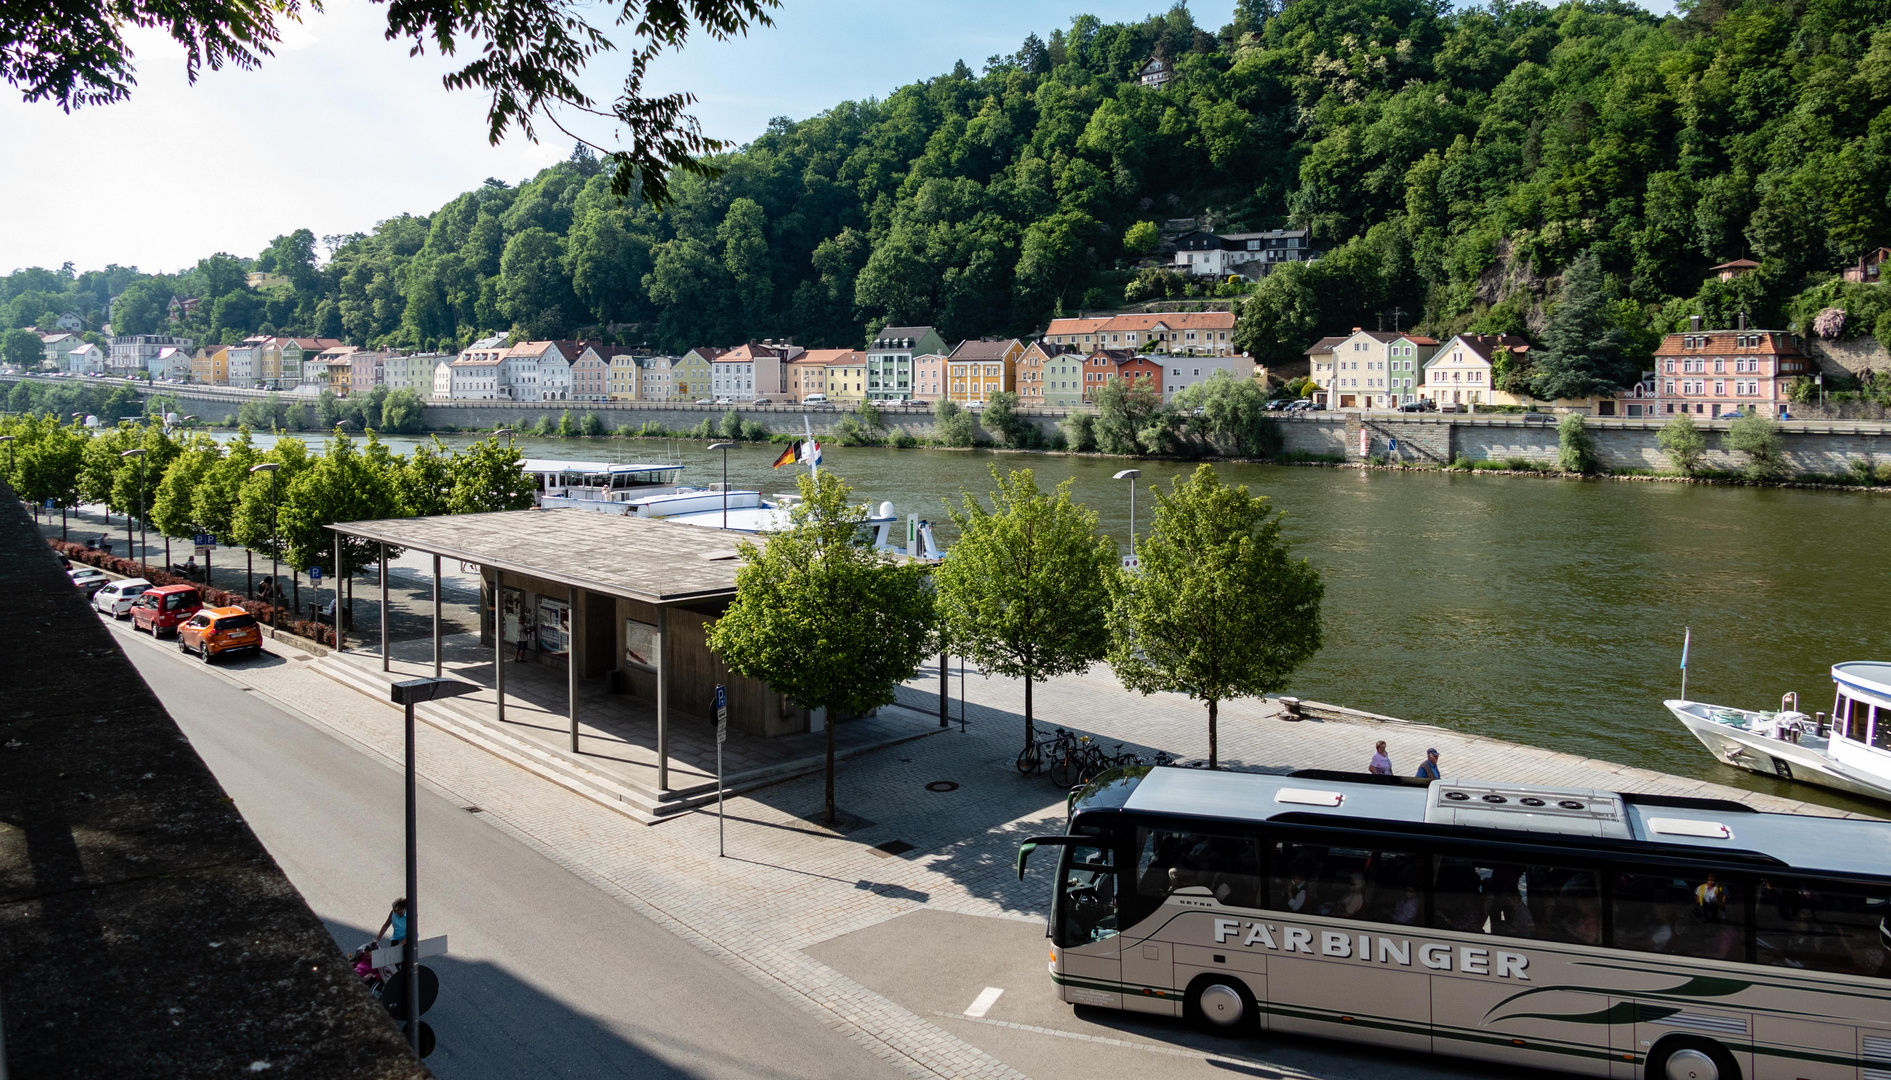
600, 481
1861, 714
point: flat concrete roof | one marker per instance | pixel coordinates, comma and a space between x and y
645, 559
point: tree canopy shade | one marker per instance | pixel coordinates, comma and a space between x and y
1218, 608
529, 57
829, 622
1024, 591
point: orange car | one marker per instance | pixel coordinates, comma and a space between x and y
214, 631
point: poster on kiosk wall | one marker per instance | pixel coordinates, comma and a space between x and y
554, 626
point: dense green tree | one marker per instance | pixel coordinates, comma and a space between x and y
21, 349
1759, 438
1684, 443
1582, 343
343, 484
489, 476
1218, 608
829, 622
1024, 592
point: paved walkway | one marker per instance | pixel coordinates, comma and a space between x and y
788, 884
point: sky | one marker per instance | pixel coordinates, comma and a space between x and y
341, 129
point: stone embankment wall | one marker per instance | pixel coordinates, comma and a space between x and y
1817, 447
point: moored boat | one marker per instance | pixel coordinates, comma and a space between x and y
1849, 751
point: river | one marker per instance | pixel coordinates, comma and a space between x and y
1544, 611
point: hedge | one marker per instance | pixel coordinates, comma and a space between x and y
319, 632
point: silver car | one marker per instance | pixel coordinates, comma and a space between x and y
115, 599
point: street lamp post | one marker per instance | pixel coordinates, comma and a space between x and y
138, 453
275, 587
724, 447
1130, 475
405, 694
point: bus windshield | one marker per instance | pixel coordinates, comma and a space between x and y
1087, 897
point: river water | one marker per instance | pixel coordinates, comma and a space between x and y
1544, 611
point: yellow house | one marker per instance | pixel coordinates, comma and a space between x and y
200, 365
689, 376
623, 380
978, 369
847, 377
219, 365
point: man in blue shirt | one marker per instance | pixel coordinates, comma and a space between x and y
1428, 769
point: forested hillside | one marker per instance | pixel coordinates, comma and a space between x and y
1453, 163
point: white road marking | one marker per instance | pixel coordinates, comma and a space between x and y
983, 1003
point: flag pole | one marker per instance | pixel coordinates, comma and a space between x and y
1687, 638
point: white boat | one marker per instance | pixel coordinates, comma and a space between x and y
1849, 751
600, 485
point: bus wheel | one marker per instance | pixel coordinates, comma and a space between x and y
1683, 1058
1220, 1006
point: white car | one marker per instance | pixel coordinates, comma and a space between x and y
115, 599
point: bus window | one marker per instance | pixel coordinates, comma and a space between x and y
1346, 883
1822, 927
1227, 866
1700, 914
1088, 897
1550, 903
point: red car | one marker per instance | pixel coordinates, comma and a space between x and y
163, 610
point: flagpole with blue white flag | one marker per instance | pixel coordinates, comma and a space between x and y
1687, 638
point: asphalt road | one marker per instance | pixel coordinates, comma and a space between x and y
548, 975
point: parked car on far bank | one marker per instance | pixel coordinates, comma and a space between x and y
116, 599
220, 631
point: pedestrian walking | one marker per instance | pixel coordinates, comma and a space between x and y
1380, 765
1428, 769
396, 921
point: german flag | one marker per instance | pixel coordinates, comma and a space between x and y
789, 456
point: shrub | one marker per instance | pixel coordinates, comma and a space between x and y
1575, 447
1377, 459
1517, 464
1081, 431
1759, 438
904, 440
1461, 463
1683, 442
591, 426
754, 431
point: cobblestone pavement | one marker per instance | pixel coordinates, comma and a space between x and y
790, 883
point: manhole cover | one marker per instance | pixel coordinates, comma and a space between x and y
942, 785
890, 848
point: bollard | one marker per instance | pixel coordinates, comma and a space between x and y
1290, 709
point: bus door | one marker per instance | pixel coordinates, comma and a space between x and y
1088, 928
1187, 881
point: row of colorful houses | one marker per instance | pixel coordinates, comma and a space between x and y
1700, 372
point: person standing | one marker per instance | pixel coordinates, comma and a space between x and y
1428, 769
1380, 765
525, 636
396, 921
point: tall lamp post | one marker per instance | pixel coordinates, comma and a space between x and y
139, 454
724, 447
1130, 475
275, 507
405, 694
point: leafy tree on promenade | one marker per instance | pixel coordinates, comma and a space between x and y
1002, 417
48, 457
215, 499
1218, 608
827, 621
260, 496
426, 479
1682, 440
98, 475
1025, 591
1760, 439
342, 485
173, 510
489, 476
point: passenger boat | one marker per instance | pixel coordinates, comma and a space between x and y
600, 485
1849, 751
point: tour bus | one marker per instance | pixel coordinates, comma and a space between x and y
1616, 935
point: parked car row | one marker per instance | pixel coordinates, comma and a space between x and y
209, 632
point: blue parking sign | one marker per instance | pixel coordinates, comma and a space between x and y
315, 573
52, 504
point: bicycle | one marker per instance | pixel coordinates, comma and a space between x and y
1031, 758
1065, 766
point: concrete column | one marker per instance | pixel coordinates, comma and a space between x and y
385, 648
499, 641
338, 637
436, 616
663, 698
571, 662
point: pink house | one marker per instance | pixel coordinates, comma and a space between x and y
1711, 372
929, 372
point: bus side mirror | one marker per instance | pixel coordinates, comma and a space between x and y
1024, 853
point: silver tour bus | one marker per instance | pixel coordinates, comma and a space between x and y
1599, 933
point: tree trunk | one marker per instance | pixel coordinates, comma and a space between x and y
1030, 732
1214, 745
945, 689
829, 816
